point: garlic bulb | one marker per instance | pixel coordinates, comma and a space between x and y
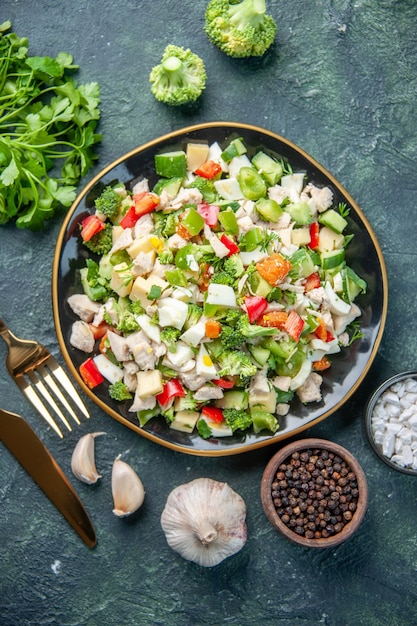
83, 463
127, 488
204, 521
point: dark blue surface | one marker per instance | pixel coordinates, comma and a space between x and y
340, 83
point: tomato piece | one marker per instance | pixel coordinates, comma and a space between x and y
230, 245
209, 169
90, 373
255, 306
209, 212
213, 413
100, 331
145, 202
294, 325
321, 331
90, 226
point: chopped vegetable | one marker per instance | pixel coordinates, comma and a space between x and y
47, 132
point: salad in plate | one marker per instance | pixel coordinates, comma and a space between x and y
216, 296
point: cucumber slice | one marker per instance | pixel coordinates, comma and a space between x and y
333, 220
270, 169
332, 258
171, 164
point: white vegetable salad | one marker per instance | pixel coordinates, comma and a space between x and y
214, 297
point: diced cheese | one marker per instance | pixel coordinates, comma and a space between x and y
149, 383
185, 421
121, 279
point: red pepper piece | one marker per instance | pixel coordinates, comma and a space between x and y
209, 213
224, 383
294, 325
230, 245
90, 373
323, 364
209, 169
255, 306
314, 235
130, 218
172, 388
312, 282
213, 413
90, 226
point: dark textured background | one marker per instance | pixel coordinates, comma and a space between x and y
341, 82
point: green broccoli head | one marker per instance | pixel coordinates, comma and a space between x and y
236, 363
170, 335
102, 242
207, 189
240, 30
180, 78
119, 391
108, 203
237, 419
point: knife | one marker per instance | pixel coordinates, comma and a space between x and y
22, 441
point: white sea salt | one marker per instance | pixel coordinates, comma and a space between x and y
394, 423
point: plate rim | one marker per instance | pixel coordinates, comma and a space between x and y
277, 437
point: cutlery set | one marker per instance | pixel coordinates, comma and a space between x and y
47, 386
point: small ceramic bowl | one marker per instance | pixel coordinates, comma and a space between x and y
382, 440
335, 532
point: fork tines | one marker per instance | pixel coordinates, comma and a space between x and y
40, 384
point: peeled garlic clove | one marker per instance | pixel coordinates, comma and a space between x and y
127, 488
204, 521
83, 463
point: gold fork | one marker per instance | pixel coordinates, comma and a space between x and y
41, 378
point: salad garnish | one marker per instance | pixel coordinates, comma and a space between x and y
217, 295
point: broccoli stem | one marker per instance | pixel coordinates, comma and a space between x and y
172, 64
247, 12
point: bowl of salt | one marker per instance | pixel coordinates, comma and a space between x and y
391, 422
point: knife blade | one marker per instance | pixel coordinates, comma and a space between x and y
25, 445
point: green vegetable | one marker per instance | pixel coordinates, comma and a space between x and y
180, 78
93, 284
237, 419
119, 391
126, 321
251, 183
240, 29
171, 164
207, 189
236, 363
101, 243
108, 203
47, 132
270, 169
170, 336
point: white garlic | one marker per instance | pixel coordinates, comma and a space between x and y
83, 463
204, 521
127, 488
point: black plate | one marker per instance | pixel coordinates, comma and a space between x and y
363, 255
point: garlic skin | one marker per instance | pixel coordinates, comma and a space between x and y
127, 489
204, 521
83, 463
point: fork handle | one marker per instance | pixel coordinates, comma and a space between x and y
5, 333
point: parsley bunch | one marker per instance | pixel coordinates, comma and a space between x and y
47, 132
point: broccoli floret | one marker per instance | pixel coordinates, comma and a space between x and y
108, 203
240, 30
180, 78
102, 242
236, 363
194, 313
119, 391
237, 419
126, 321
207, 189
169, 335
223, 278
166, 257
233, 265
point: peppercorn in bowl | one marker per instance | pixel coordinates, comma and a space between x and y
314, 492
391, 422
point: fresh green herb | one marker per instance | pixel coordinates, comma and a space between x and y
46, 121
154, 292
